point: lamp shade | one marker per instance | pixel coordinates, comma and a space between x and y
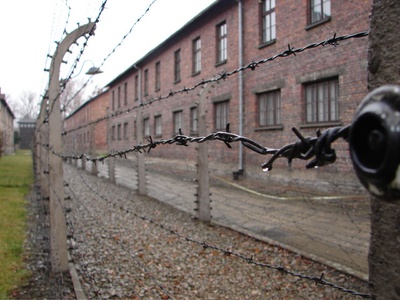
94, 71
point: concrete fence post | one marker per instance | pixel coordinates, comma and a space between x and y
375, 148
58, 230
203, 202
141, 167
92, 148
111, 169
43, 154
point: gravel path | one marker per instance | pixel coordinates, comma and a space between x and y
126, 246
129, 246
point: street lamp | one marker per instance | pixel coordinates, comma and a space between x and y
94, 71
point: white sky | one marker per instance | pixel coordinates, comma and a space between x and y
29, 29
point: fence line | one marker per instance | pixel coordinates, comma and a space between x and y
316, 149
248, 259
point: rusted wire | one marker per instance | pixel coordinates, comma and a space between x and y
317, 150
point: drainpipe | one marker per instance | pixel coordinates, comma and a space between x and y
240, 46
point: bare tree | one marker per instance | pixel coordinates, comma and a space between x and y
26, 105
72, 96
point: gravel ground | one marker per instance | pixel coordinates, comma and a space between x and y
128, 246
43, 284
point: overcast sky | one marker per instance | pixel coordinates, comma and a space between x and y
29, 29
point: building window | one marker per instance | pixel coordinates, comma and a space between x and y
119, 97
158, 125
177, 65
146, 82
158, 76
136, 88
319, 10
221, 112
119, 132
268, 21
125, 130
269, 108
177, 121
222, 43
196, 56
322, 101
125, 93
146, 127
194, 120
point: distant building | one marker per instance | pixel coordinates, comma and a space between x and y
317, 89
27, 126
6, 126
89, 139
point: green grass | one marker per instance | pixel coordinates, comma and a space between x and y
16, 178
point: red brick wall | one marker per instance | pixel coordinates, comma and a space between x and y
89, 138
347, 61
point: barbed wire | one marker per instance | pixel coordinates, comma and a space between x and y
333, 41
112, 51
318, 150
249, 259
45, 98
137, 261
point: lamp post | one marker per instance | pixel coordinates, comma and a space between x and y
58, 232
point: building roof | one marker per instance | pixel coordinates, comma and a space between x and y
27, 119
3, 100
170, 38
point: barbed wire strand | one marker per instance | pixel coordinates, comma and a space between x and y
334, 41
65, 81
137, 261
112, 51
248, 259
318, 150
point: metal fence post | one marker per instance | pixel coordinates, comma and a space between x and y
375, 149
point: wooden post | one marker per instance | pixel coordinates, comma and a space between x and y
375, 149
203, 201
58, 233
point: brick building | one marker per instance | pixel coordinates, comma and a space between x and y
90, 139
315, 89
6, 127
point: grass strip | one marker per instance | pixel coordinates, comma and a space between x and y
16, 179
